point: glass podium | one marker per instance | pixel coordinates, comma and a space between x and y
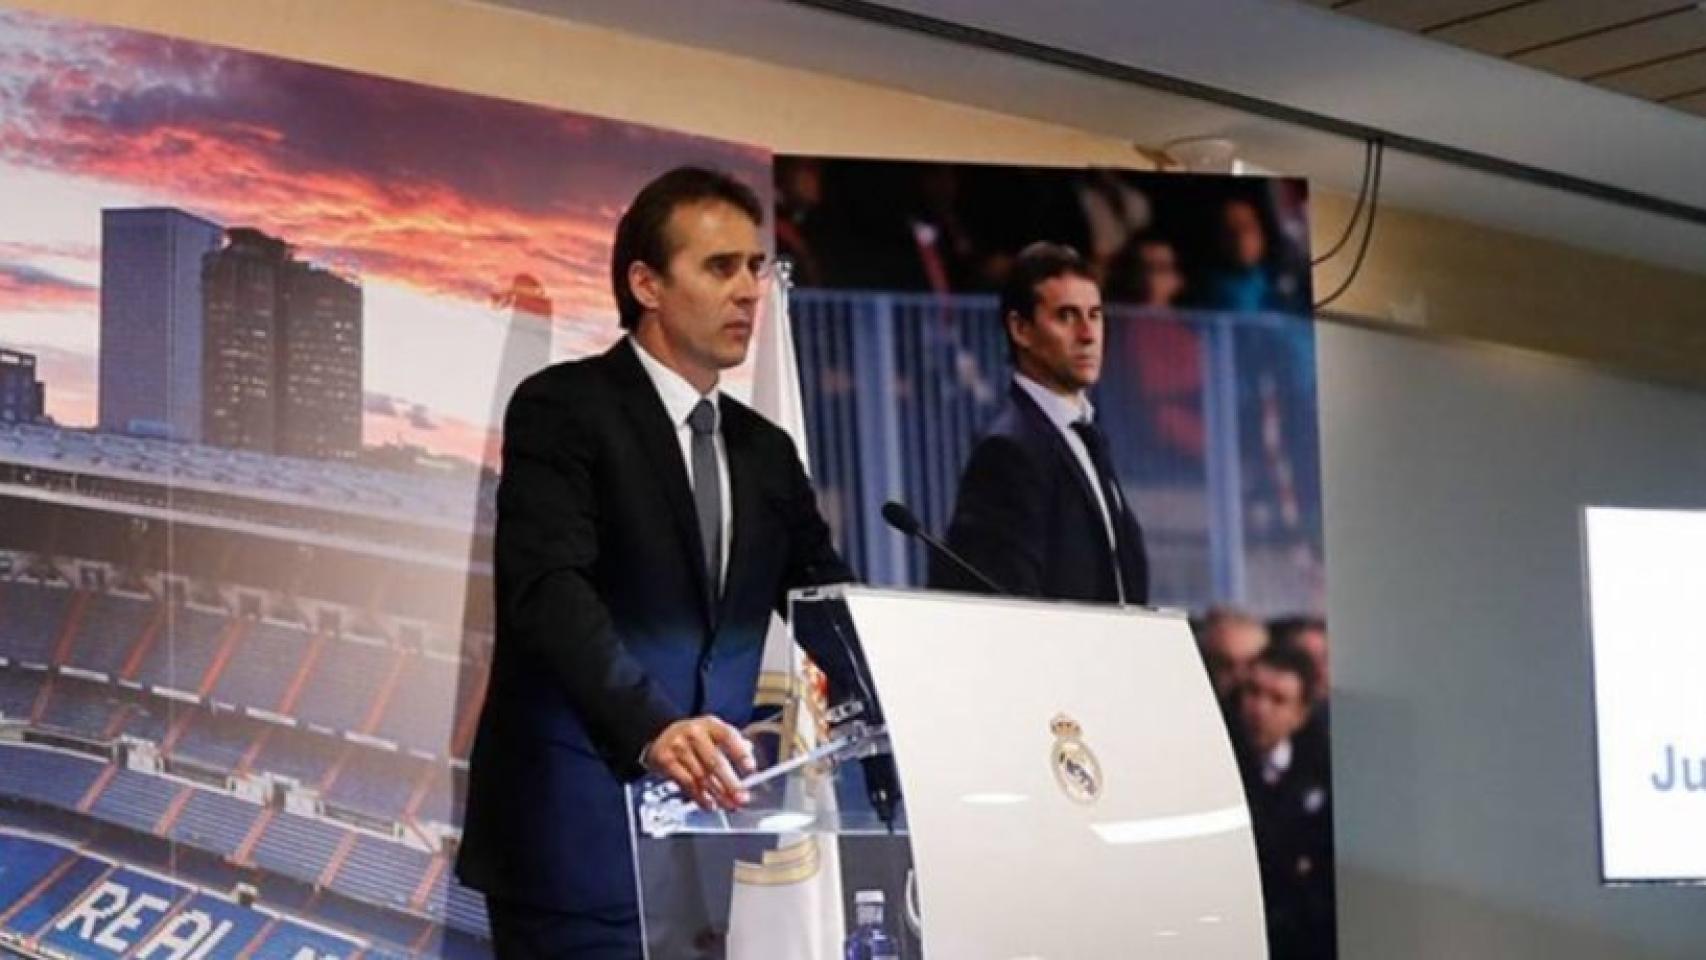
1069, 794
791, 874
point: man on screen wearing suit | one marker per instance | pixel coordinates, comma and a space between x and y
647, 527
1039, 509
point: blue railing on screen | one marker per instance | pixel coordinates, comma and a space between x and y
898, 387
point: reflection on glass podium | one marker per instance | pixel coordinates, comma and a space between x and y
1050, 781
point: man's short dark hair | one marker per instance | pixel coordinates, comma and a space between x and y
643, 232
1291, 660
1036, 263
1287, 630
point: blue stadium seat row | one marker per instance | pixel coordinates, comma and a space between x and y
465, 909
31, 618
423, 713
180, 657
46, 776
262, 666
18, 689
81, 707
377, 783
215, 822
381, 872
108, 631
343, 683
217, 740
307, 757
135, 799
297, 846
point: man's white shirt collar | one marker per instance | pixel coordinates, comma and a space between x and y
678, 396
1061, 411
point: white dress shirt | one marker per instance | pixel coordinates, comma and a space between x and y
679, 398
1276, 763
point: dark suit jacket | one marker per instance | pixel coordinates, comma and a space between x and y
1292, 819
1027, 516
605, 630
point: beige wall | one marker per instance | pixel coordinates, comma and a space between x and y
1453, 278
1463, 281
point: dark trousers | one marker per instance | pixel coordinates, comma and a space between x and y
525, 932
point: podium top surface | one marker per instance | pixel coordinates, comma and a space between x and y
1069, 784
857, 591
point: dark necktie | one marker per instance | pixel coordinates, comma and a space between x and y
1096, 442
707, 495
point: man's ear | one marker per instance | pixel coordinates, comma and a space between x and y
644, 283
1018, 328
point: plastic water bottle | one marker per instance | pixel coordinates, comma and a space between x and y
869, 939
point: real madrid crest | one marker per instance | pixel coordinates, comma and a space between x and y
1075, 766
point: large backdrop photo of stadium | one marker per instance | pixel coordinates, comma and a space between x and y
257, 322
1206, 397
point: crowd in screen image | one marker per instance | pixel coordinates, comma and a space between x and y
1271, 680
1207, 392
955, 228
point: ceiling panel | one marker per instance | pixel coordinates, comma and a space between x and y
1663, 80
1652, 49
1525, 26
1416, 14
1694, 103
1602, 53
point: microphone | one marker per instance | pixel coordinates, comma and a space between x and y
903, 520
882, 780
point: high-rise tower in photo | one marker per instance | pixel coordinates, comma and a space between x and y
23, 399
151, 321
283, 352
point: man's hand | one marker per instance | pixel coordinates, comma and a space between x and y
701, 754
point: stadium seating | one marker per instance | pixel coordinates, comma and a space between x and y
378, 876
40, 911
449, 499
24, 862
148, 718
455, 945
181, 655
465, 909
82, 707
262, 666
307, 757
244, 931
215, 822
421, 715
31, 618
46, 776
436, 803
216, 740
18, 689
393, 933
342, 684
381, 872
135, 800
297, 846
109, 629
377, 783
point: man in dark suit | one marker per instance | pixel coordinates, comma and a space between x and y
1289, 790
1039, 509
647, 528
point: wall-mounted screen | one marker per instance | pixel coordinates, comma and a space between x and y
1646, 579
